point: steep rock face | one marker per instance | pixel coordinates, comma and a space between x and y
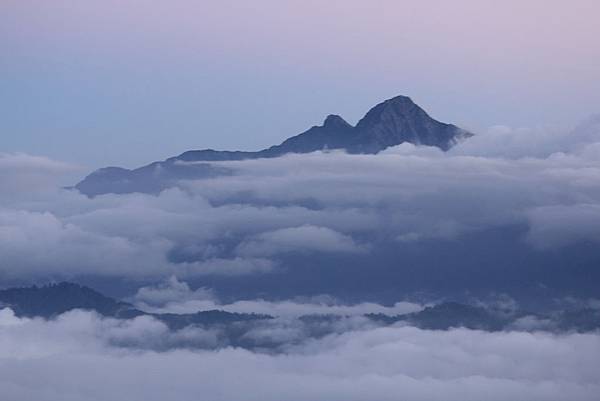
335, 133
390, 123
400, 120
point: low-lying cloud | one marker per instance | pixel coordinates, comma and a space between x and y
298, 239
275, 217
311, 205
50, 360
174, 296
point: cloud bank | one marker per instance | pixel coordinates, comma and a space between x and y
314, 204
314, 217
49, 360
174, 296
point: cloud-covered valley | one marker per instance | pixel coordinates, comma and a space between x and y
294, 215
182, 219
317, 242
81, 356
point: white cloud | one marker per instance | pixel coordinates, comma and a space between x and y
302, 238
172, 290
174, 296
539, 142
247, 222
23, 174
52, 360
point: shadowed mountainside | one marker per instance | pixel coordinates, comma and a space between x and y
52, 300
390, 123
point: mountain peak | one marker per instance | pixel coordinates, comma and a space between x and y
398, 120
333, 120
399, 106
390, 123
400, 100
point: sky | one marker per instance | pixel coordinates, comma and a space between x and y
127, 82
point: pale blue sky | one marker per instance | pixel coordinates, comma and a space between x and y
128, 82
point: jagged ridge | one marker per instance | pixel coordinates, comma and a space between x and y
390, 123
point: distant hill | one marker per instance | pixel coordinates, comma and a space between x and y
52, 300
390, 123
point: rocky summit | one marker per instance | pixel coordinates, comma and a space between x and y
390, 123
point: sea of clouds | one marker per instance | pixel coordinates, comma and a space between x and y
240, 225
81, 356
319, 203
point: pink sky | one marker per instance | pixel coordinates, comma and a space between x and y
289, 63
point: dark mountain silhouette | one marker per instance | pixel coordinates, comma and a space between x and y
453, 314
390, 123
400, 120
52, 300
151, 179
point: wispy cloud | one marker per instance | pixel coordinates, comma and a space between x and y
373, 363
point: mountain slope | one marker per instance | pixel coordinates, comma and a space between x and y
390, 123
52, 300
400, 120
